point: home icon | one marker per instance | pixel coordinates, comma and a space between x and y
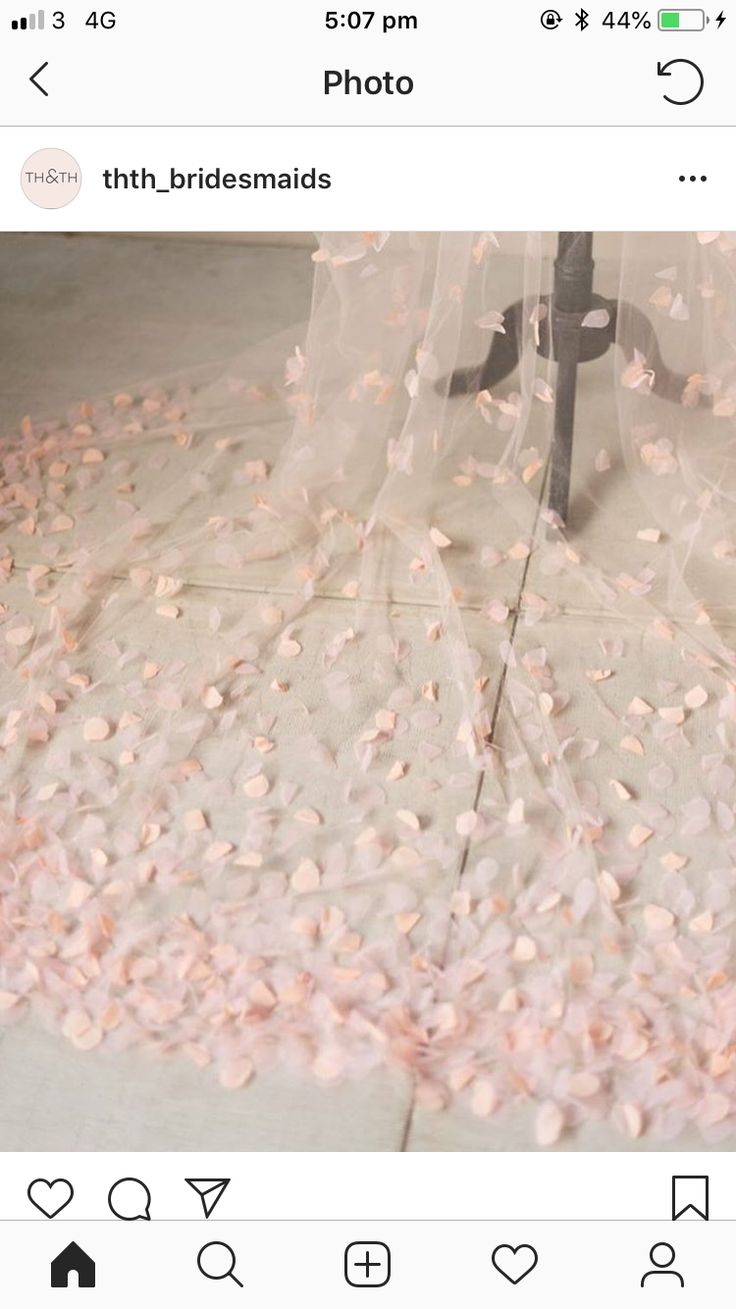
73, 1260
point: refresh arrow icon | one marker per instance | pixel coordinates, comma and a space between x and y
665, 70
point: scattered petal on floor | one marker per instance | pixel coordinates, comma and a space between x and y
323, 743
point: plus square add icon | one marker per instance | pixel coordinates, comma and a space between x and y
367, 1263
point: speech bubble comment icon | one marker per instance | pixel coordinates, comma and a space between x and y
130, 1199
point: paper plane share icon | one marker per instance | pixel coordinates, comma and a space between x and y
209, 1189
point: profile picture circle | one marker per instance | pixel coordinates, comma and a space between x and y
51, 179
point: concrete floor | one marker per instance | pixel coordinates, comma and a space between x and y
81, 316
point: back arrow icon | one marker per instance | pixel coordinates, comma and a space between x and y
663, 70
33, 77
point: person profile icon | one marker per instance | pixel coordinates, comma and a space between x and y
662, 1255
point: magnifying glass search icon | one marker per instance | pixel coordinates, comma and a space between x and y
216, 1260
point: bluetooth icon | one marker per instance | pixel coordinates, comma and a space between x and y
581, 19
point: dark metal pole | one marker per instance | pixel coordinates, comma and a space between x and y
572, 298
563, 338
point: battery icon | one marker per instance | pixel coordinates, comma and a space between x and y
681, 20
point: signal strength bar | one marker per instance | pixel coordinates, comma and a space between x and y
34, 22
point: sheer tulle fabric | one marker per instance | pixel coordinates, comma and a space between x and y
434, 781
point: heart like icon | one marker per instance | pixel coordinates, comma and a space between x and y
514, 1262
50, 1197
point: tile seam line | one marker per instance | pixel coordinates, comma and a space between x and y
292, 127
463, 860
515, 611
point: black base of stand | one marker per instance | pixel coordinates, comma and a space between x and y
565, 337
